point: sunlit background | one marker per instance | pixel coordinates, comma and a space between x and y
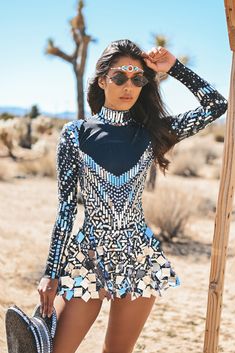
28, 76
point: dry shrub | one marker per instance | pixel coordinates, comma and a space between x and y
42, 125
216, 129
6, 170
204, 207
216, 173
206, 131
188, 161
169, 210
13, 132
187, 165
4, 152
219, 132
43, 166
6, 116
3, 173
59, 123
208, 152
17, 131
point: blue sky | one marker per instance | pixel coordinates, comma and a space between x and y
28, 76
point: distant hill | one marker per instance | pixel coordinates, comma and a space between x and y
17, 111
13, 110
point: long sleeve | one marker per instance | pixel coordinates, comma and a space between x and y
213, 104
67, 178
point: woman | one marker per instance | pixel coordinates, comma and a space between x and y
115, 255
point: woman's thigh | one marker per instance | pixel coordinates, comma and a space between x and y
126, 320
75, 317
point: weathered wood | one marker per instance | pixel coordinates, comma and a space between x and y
224, 209
230, 17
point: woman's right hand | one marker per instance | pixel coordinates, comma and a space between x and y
159, 59
47, 289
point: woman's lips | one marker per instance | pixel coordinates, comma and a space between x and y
126, 98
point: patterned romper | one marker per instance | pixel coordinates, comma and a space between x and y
114, 252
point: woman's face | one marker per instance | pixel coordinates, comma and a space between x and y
115, 95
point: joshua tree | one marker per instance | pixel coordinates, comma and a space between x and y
160, 40
79, 55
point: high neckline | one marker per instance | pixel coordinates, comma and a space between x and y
115, 117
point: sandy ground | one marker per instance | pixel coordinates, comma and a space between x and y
177, 321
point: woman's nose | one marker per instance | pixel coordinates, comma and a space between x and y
129, 83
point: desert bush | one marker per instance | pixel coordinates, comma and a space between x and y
218, 132
6, 170
13, 131
169, 210
59, 123
208, 153
189, 161
6, 116
42, 166
187, 165
205, 207
41, 125
216, 129
216, 174
2, 173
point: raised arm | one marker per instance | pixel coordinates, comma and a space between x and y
213, 104
67, 179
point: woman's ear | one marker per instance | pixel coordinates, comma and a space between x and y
101, 82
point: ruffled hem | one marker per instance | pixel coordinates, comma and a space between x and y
141, 269
105, 293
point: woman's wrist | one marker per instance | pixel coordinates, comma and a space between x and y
174, 67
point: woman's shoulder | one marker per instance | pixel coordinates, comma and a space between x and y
73, 125
71, 131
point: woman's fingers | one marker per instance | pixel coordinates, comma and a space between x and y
144, 55
50, 304
41, 302
40, 291
154, 54
47, 300
155, 51
159, 59
151, 52
47, 290
150, 63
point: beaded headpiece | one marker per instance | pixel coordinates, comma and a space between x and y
129, 68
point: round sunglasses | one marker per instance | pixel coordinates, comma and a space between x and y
120, 78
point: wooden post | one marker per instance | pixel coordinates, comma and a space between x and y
224, 207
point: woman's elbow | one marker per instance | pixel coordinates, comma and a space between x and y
220, 107
223, 105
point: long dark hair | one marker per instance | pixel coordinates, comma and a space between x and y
148, 110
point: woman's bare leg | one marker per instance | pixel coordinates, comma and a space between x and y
126, 320
75, 317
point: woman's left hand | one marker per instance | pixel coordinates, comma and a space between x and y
159, 59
